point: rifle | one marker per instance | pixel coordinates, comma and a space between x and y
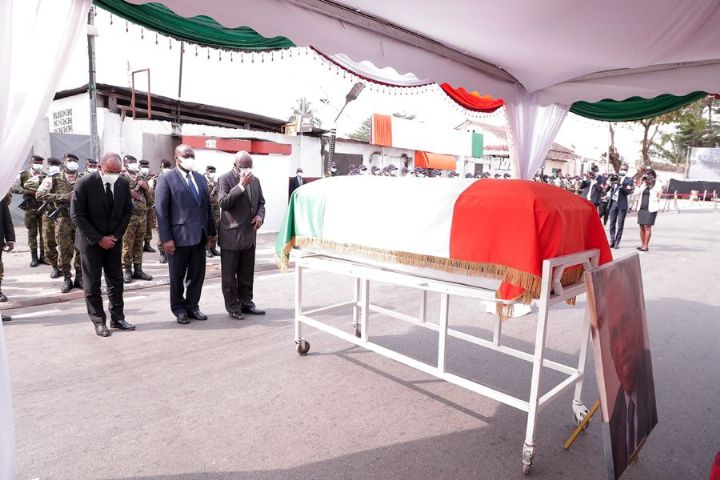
28, 203
58, 212
43, 208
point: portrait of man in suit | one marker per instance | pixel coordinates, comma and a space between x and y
622, 357
100, 208
243, 212
187, 227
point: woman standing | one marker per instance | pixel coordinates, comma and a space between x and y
649, 206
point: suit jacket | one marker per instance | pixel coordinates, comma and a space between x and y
90, 210
179, 217
238, 210
645, 410
7, 230
294, 185
626, 187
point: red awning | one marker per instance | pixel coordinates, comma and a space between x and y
436, 161
472, 100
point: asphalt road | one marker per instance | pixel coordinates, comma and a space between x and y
226, 399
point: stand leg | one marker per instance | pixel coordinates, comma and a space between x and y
582, 425
578, 407
302, 346
364, 309
356, 311
443, 331
423, 307
539, 353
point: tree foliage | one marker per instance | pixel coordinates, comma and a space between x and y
303, 107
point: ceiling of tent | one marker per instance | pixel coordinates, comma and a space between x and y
562, 51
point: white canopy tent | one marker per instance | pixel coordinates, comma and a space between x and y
540, 57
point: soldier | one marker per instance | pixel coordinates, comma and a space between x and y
132, 244
30, 180
91, 166
48, 226
58, 190
211, 178
7, 240
151, 220
165, 168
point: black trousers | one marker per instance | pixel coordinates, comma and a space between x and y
95, 261
238, 272
617, 223
187, 275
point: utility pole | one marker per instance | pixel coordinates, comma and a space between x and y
177, 127
92, 85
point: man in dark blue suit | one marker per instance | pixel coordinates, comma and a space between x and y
618, 205
186, 226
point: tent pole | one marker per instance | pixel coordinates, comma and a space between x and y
92, 87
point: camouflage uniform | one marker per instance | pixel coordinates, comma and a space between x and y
48, 230
214, 189
29, 184
134, 238
58, 190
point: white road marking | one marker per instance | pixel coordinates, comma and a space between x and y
36, 314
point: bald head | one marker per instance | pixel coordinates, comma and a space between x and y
111, 163
243, 160
185, 157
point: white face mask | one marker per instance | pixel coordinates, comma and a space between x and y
623, 173
72, 166
245, 171
53, 169
36, 166
144, 170
165, 170
92, 170
133, 167
187, 163
211, 175
300, 175
110, 178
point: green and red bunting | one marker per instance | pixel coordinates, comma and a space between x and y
501, 229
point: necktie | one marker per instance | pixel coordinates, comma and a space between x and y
249, 191
109, 195
631, 428
193, 190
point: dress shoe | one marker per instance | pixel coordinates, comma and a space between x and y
163, 257
55, 273
122, 325
214, 251
101, 330
209, 253
3, 298
78, 280
253, 311
6, 318
148, 248
197, 315
236, 315
183, 319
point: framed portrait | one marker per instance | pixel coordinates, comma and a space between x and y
623, 366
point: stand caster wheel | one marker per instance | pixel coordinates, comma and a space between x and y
302, 347
580, 411
527, 458
526, 469
358, 332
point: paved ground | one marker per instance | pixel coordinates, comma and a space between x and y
231, 400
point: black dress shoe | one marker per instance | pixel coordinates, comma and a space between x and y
163, 257
122, 325
197, 315
3, 298
101, 330
253, 311
183, 319
6, 318
236, 315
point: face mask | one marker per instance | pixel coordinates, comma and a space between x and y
144, 170
300, 175
72, 166
187, 163
164, 170
211, 176
623, 173
245, 171
92, 170
110, 177
36, 166
54, 169
133, 167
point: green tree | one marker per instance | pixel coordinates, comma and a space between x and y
304, 107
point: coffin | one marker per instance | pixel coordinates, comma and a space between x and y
490, 233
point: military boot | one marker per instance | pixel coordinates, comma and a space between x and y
68, 285
127, 274
34, 262
78, 279
163, 257
139, 274
42, 258
55, 273
148, 248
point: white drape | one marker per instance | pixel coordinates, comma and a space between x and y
531, 131
36, 38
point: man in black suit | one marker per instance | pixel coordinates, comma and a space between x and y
243, 211
296, 182
186, 226
100, 208
618, 205
7, 238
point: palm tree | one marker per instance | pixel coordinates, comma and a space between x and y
304, 107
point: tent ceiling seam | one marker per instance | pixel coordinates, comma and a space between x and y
649, 69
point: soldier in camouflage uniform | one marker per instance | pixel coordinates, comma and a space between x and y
91, 166
48, 226
151, 220
58, 190
134, 238
165, 167
29, 181
211, 178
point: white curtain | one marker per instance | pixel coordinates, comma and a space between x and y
36, 38
532, 128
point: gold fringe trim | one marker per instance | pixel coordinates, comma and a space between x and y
530, 283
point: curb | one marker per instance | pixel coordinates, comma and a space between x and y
212, 272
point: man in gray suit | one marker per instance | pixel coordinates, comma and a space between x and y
243, 211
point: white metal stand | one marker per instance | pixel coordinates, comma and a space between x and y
552, 293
